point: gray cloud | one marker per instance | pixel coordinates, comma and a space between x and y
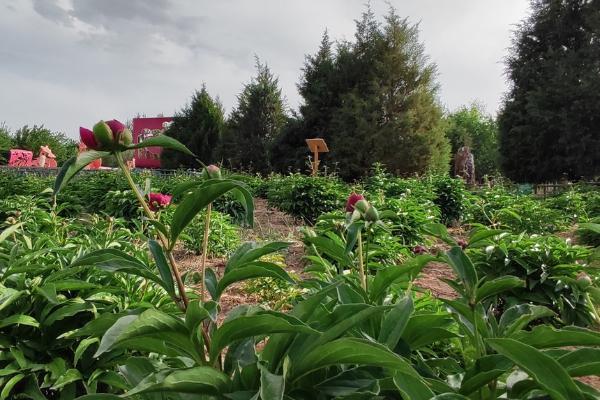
70, 62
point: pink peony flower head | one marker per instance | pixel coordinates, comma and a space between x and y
352, 200
418, 249
116, 127
158, 200
87, 138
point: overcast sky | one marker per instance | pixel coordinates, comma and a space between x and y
66, 63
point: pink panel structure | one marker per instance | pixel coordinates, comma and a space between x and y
144, 128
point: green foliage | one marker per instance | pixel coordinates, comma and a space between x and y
555, 274
449, 197
548, 120
223, 236
504, 209
470, 126
199, 126
275, 293
305, 196
255, 122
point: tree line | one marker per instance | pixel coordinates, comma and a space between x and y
373, 99
31, 138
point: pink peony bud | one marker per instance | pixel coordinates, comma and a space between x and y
352, 200
158, 200
116, 127
87, 137
211, 172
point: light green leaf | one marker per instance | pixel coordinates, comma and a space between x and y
164, 141
351, 351
19, 319
75, 164
395, 321
496, 286
546, 371
265, 323
196, 380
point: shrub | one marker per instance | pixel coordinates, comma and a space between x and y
554, 272
306, 197
449, 197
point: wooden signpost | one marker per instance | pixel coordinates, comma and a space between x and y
316, 145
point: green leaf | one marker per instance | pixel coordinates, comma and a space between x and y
73, 165
412, 387
256, 270
498, 285
544, 336
395, 321
351, 351
546, 371
589, 226
99, 396
163, 266
478, 235
462, 265
164, 141
9, 231
332, 249
250, 252
485, 370
272, 387
519, 316
359, 313
153, 330
196, 380
387, 276
9, 385
19, 319
82, 347
113, 260
70, 376
255, 325
439, 231
581, 362
196, 201
68, 309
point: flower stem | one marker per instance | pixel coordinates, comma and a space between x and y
205, 250
163, 239
361, 265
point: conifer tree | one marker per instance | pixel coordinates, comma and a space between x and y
550, 121
199, 126
255, 122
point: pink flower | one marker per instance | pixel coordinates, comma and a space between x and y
352, 200
116, 127
418, 249
462, 243
87, 137
158, 200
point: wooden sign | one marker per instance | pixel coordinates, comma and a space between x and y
316, 145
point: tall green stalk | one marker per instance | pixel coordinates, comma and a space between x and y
164, 241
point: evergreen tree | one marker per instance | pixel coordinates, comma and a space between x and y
255, 123
199, 126
550, 121
470, 126
374, 100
